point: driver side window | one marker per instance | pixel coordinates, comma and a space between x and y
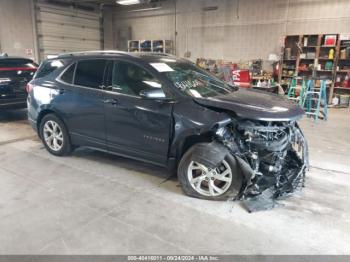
130, 79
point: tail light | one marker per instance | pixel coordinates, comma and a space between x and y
29, 87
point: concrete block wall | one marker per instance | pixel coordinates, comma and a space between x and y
238, 29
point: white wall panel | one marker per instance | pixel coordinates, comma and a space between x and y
65, 29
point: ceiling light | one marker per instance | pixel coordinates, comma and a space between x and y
128, 2
145, 9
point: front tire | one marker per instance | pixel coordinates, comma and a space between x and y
54, 135
197, 180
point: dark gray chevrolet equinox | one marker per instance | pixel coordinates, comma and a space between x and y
223, 141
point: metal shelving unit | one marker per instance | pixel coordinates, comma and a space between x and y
342, 66
309, 56
158, 46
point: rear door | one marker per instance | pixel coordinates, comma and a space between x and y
15, 73
79, 100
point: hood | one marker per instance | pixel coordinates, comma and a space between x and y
256, 105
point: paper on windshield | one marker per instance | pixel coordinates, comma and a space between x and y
162, 67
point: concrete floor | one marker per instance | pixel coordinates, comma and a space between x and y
94, 203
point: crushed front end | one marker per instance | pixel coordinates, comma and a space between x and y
273, 156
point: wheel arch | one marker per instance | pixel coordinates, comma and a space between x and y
210, 155
44, 113
190, 141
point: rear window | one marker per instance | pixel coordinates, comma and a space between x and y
90, 73
48, 67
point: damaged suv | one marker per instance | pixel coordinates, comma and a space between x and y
223, 141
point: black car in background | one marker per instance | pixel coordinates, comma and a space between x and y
223, 141
15, 73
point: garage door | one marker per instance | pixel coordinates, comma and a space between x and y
66, 29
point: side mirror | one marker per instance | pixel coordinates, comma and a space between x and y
154, 93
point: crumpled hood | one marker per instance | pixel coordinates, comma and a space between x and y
254, 104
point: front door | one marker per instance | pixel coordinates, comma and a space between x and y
135, 126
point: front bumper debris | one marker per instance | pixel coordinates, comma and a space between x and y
273, 158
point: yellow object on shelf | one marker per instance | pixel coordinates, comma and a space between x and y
331, 54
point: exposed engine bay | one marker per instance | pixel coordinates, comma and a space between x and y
273, 156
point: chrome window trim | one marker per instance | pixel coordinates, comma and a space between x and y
58, 78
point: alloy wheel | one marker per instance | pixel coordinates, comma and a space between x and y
210, 182
53, 135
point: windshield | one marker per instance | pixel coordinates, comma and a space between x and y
195, 82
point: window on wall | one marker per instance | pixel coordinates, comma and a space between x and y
90, 73
131, 79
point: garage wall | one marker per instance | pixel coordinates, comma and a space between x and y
238, 29
16, 28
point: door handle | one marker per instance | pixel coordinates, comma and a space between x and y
110, 101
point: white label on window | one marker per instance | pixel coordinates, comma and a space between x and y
162, 67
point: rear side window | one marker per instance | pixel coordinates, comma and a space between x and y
90, 73
48, 67
67, 76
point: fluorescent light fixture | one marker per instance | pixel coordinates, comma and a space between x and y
145, 9
128, 2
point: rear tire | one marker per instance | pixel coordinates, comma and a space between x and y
54, 135
197, 180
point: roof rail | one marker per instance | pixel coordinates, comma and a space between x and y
97, 52
154, 54
92, 52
